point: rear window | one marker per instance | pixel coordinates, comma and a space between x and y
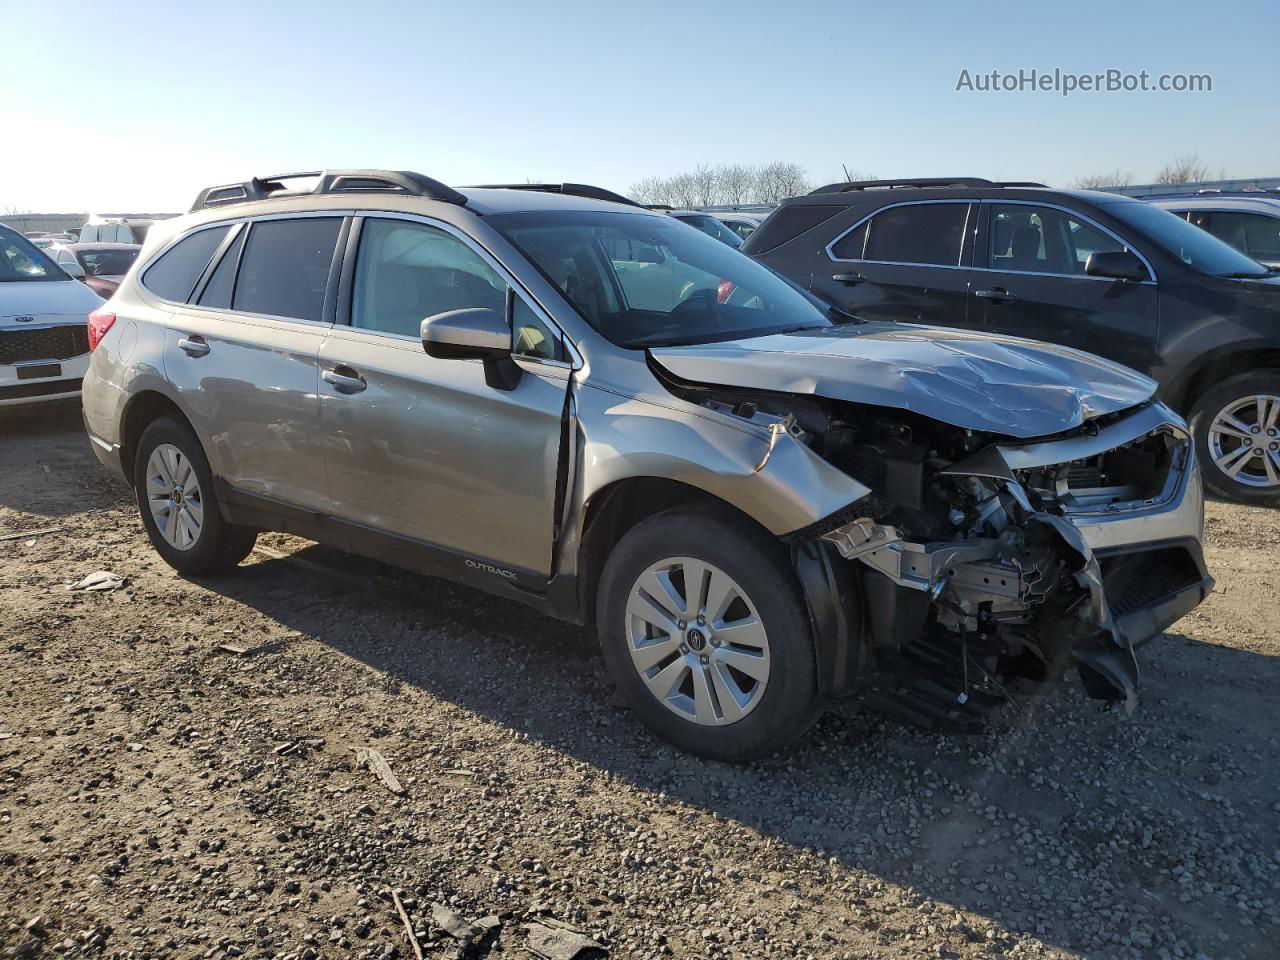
174, 275
926, 233
784, 224
285, 267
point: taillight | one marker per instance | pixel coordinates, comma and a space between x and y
725, 291
99, 323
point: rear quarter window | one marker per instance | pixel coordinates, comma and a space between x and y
786, 223
174, 275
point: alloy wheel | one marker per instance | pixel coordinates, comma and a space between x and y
1244, 440
697, 641
174, 496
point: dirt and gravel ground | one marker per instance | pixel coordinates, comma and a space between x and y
162, 797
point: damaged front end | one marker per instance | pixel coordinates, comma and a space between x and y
985, 560
978, 558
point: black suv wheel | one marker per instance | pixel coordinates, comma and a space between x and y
1237, 435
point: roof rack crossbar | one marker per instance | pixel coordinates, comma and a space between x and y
329, 182
585, 190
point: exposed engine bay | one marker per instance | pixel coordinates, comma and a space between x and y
973, 570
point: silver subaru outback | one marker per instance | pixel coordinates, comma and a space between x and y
761, 505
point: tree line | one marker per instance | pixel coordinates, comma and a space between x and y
1185, 168
727, 183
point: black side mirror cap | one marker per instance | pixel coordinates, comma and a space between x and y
1116, 265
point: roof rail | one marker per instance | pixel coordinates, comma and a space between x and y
329, 182
568, 189
1020, 183
851, 185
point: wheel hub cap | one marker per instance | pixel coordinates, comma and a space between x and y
1243, 441
174, 496
697, 641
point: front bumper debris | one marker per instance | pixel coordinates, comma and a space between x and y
1082, 580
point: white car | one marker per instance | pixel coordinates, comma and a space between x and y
44, 332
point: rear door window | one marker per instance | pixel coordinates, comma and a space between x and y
284, 270
174, 275
923, 233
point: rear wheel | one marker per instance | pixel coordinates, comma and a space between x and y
1237, 435
704, 630
174, 488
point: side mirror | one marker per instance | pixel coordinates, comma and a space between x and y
473, 333
1116, 264
72, 268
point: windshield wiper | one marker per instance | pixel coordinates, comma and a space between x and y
843, 316
1244, 275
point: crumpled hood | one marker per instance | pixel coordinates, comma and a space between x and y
45, 299
1003, 385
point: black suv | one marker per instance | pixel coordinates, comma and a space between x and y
1104, 273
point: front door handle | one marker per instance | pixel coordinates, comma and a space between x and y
344, 379
997, 295
849, 278
193, 346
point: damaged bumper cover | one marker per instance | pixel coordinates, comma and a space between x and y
1060, 563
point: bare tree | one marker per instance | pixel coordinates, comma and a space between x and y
1185, 168
1097, 181
649, 190
682, 190
14, 211
735, 182
704, 181
778, 180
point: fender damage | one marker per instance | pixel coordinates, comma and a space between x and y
1029, 508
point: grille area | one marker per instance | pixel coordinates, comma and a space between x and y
44, 343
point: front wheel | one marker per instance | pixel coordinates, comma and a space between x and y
1237, 435
704, 629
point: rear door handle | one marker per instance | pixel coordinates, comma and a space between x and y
998, 295
849, 278
344, 379
194, 346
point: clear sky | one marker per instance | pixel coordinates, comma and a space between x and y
136, 105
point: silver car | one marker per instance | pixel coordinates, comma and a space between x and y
761, 506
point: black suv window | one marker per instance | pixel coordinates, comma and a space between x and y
174, 275
1031, 239
926, 233
285, 267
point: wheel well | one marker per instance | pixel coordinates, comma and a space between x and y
1223, 368
142, 411
613, 511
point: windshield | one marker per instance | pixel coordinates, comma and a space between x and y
1196, 248
106, 263
645, 281
21, 261
712, 228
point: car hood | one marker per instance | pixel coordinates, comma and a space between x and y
1003, 385
45, 298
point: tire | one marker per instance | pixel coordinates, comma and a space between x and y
1223, 421
186, 527
749, 577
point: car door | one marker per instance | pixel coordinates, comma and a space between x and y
425, 449
243, 353
907, 263
1029, 280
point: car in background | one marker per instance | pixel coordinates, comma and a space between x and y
1100, 272
1248, 221
100, 265
708, 224
44, 335
115, 230
743, 224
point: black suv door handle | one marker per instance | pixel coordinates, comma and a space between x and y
998, 295
194, 346
849, 278
344, 379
